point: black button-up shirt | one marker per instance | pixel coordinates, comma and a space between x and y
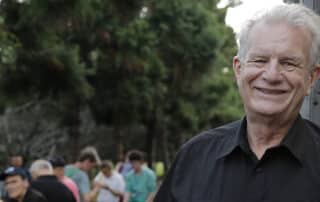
219, 166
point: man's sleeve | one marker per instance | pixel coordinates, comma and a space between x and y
122, 184
152, 182
164, 193
84, 184
166, 190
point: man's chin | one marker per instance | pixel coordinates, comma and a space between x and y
267, 111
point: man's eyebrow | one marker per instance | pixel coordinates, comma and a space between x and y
292, 58
256, 55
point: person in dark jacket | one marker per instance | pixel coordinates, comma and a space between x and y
48, 184
17, 187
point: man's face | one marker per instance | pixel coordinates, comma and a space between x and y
16, 161
89, 165
267, 89
106, 171
58, 171
136, 165
16, 186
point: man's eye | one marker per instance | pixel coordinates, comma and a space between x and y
258, 61
288, 63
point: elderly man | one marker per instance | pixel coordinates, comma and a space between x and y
272, 154
17, 187
48, 184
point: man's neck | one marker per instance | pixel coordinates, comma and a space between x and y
109, 175
138, 171
265, 133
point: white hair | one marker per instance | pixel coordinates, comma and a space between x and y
41, 165
295, 15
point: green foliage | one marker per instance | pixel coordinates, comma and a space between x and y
223, 94
8, 48
187, 33
152, 63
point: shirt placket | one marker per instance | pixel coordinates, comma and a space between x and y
257, 184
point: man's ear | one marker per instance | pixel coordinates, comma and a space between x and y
236, 64
314, 77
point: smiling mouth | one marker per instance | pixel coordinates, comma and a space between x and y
271, 91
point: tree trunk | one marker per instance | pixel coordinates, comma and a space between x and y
150, 135
149, 144
164, 148
119, 141
74, 132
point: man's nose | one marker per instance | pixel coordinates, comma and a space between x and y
273, 71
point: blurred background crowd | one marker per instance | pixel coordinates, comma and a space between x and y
87, 179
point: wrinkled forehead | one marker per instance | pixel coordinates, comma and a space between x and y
279, 37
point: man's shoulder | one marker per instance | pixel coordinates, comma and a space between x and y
83, 176
129, 174
149, 172
69, 166
314, 130
215, 136
46, 182
117, 175
34, 196
37, 184
67, 180
72, 171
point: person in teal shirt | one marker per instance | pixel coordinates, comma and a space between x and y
140, 181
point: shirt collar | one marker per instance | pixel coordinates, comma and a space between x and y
298, 140
235, 139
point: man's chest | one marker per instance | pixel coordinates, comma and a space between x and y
236, 181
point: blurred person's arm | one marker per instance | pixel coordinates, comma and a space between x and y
152, 186
89, 196
120, 187
115, 192
126, 197
151, 197
84, 187
112, 191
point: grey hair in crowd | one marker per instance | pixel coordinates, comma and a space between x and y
91, 154
295, 15
41, 165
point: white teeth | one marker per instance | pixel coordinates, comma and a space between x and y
266, 91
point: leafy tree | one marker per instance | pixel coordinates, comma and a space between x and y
154, 65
